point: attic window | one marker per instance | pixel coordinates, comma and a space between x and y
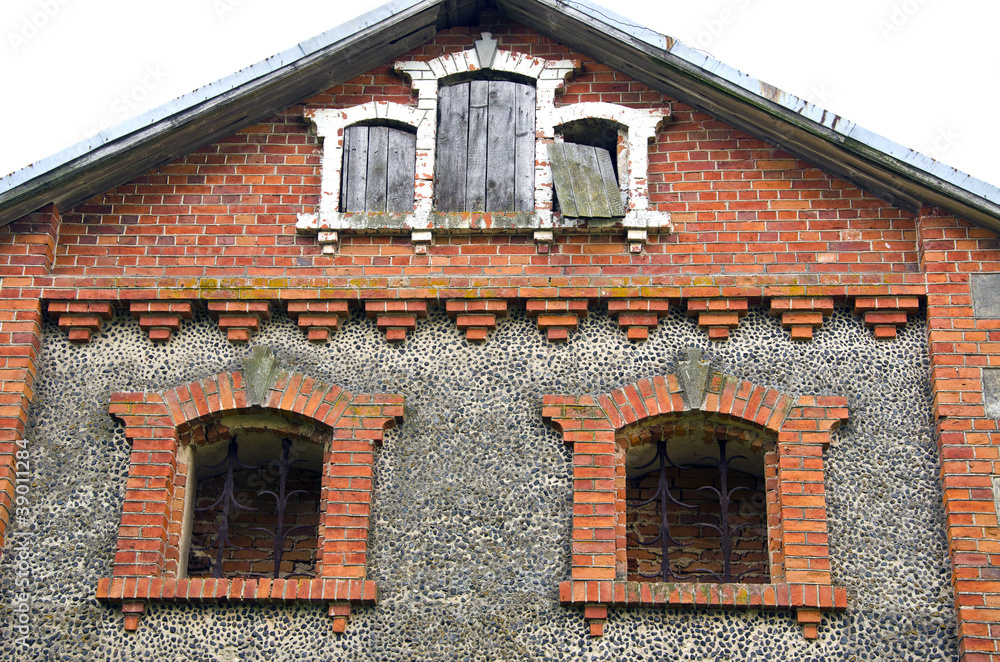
486, 147
378, 170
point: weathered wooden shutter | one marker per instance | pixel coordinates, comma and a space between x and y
584, 180
486, 147
379, 169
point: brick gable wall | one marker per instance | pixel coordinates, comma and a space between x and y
752, 224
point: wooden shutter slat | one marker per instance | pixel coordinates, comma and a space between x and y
500, 164
357, 175
452, 147
378, 158
345, 168
614, 195
402, 171
475, 193
561, 180
524, 148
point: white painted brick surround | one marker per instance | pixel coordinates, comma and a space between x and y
637, 126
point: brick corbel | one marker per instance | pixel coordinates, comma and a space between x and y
718, 316
239, 318
800, 315
638, 316
476, 316
80, 319
885, 314
557, 317
396, 317
319, 318
159, 319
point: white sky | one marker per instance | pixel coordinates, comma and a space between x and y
920, 72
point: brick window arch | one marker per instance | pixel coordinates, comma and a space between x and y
601, 429
165, 429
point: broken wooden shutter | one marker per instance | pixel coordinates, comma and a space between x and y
584, 180
486, 147
379, 169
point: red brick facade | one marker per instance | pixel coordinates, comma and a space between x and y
216, 229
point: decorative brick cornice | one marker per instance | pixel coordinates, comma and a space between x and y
397, 317
476, 316
159, 319
885, 314
319, 318
638, 316
718, 316
239, 319
599, 428
80, 319
557, 317
800, 315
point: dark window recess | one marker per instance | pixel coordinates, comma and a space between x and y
700, 521
584, 180
486, 147
379, 169
255, 521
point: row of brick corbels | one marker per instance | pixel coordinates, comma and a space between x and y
153, 513
558, 317
20, 343
27, 246
803, 429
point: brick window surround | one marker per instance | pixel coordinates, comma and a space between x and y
600, 429
162, 429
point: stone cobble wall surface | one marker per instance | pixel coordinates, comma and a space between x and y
473, 497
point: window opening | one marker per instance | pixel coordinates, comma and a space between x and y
696, 520
256, 520
486, 146
379, 169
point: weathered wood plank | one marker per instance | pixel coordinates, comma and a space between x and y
611, 190
402, 171
500, 162
587, 185
357, 174
345, 165
478, 123
452, 147
378, 159
524, 148
562, 181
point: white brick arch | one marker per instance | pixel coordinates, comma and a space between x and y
330, 124
639, 126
